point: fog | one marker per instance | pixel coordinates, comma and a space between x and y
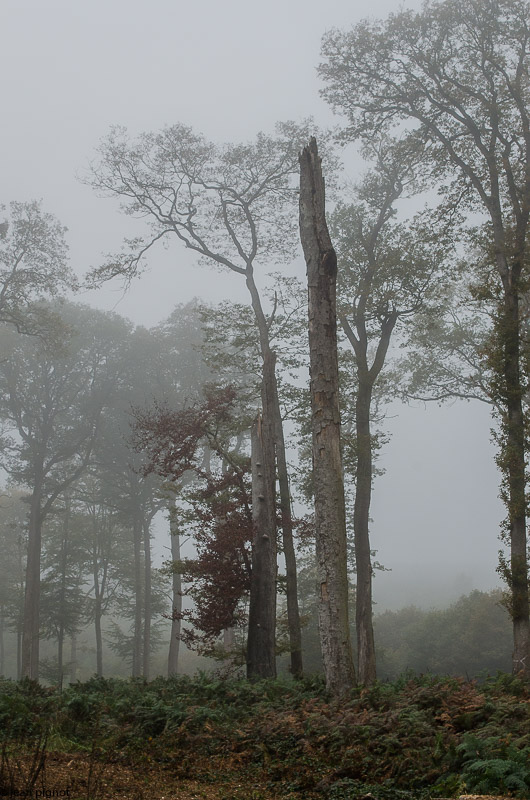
71, 70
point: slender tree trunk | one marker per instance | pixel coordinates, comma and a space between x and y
98, 613
147, 598
2, 647
330, 514
513, 459
100, 558
138, 604
271, 410
261, 646
99, 591
73, 658
31, 632
19, 654
172, 489
60, 649
229, 639
293, 611
20, 605
361, 516
62, 595
99, 637
174, 641
366, 378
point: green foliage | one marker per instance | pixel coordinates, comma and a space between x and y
33, 264
26, 710
348, 789
407, 740
27, 713
495, 766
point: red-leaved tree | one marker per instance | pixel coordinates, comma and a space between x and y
219, 503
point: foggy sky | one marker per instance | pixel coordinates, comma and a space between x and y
72, 69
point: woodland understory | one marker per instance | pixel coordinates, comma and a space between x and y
413, 739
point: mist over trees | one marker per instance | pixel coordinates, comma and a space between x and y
250, 432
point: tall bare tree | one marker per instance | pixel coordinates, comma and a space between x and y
330, 512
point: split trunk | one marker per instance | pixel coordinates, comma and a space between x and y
330, 515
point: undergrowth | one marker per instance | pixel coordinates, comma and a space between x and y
412, 739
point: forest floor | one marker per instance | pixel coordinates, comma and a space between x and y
112, 782
178, 739
106, 781
117, 782
83, 778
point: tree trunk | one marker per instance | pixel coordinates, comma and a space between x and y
60, 650
19, 654
20, 605
361, 516
229, 639
73, 658
31, 632
330, 514
293, 611
174, 641
62, 596
2, 645
138, 604
98, 613
99, 592
363, 480
513, 458
261, 646
147, 598
100, 559
272, 411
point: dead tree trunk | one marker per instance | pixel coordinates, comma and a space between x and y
261, 645
330, 514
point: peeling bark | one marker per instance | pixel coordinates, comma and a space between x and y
330, 515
